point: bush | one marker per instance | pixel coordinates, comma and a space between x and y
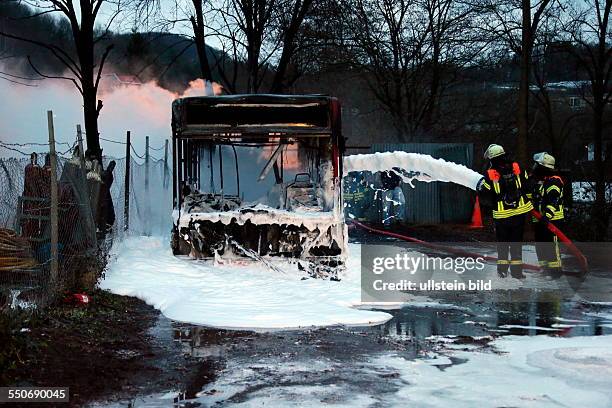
14, 344
579, 223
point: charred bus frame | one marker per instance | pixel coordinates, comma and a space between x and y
272, 121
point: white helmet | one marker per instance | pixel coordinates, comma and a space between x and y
494, 150
544, 159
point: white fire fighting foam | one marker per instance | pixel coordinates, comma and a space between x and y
416, 166
539, 371
261, 214
248, 296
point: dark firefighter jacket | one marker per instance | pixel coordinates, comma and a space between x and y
547, 197
506, 190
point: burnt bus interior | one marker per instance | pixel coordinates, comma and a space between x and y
249, 168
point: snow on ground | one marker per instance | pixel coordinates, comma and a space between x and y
539, 371
234, 296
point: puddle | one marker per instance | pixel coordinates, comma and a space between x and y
365, 365
556, 318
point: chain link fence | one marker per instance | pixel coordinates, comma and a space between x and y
92, 214
150, 203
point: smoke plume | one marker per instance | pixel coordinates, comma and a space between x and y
144, 109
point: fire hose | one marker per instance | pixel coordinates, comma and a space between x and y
552, 228
439, 247
563, 238
442, 248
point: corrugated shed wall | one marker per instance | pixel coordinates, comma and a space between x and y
437, 202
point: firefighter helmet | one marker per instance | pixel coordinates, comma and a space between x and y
544, 159
494, 150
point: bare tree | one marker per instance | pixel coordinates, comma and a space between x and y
410, 51
258, 39
290, 22
194, 11
516, 23
83, 67
261, 35
589, 30
184, 15
199, 37
254, 18
553, 117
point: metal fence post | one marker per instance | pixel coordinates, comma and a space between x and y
126, 199
54, 204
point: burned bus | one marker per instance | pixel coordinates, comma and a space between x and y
259, 176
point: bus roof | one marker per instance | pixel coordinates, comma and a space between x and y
257, 114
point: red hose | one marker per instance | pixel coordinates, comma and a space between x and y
570, 245
439, 247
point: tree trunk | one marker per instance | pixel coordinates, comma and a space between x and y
253, 68
299, 13
197, 23
434, 88
85, 49
283, 64
600, 88
599, 209
90, 116
523, 93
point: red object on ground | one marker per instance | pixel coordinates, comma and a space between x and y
570, 245
81, 298
77, 298
476, 215
439, 247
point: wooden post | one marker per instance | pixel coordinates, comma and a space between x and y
147, 166
147, 196
54, 203
126, 194
166, 165
83, 187
81, 151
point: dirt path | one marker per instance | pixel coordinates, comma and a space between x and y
104, 351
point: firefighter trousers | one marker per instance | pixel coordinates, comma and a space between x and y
509, 234
547, 247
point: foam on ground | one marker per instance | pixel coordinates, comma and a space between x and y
539, 371
234, 296
253, 296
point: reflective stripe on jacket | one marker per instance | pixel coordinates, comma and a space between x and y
548, 197
503, 209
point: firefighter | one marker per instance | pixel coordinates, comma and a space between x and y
357, 196
393, 200
547, 196
504, 189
